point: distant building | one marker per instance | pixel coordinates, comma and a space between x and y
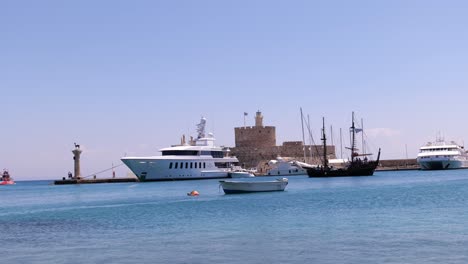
256, 145
257, 136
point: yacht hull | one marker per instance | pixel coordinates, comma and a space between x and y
353, 170
281, 167
441, 164
158, 169
233, 187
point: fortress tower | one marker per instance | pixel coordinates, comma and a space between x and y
256, 145
256, 136
258, 119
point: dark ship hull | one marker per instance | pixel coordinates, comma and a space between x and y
354, 169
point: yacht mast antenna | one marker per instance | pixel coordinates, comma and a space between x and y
201, 128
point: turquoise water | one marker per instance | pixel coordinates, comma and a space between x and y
392, 217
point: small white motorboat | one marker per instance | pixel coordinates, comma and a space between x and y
246, 186
280, 166
240, 174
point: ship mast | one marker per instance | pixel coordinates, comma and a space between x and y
341, 145
303, 138
363, 150
353, 138
324, 139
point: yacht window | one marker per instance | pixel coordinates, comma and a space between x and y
199, 165
196, 165
191, 164
204, 165
186, 165
222, 165
217, 154
170, 165
180, 153
176, 165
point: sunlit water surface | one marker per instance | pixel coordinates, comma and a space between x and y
391, 217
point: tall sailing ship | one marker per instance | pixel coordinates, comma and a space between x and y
355, 167
199, 159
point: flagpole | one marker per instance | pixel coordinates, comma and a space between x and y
245, 114
244, 118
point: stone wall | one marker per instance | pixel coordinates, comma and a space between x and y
255, 137
256, 156
295, 150
398, 163
251, 157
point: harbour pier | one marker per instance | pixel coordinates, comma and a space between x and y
87, 181
76, 178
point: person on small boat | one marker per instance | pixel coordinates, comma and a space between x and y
5, 175
6, 179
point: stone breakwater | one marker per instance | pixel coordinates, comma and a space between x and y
398, 164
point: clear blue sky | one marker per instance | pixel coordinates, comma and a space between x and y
130, 77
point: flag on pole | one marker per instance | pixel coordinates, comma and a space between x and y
245, 114
358, 130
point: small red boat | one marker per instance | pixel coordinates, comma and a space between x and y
6, 179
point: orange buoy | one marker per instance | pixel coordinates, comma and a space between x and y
193, 193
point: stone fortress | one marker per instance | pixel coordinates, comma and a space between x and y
255, 146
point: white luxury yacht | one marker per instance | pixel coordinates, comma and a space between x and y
200, 159
440, 155
280, 166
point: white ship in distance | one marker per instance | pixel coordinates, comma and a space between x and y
281, 166
199, 159
440, 155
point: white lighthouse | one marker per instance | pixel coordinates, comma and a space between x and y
76, 157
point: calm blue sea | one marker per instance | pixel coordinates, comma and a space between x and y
392, 217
